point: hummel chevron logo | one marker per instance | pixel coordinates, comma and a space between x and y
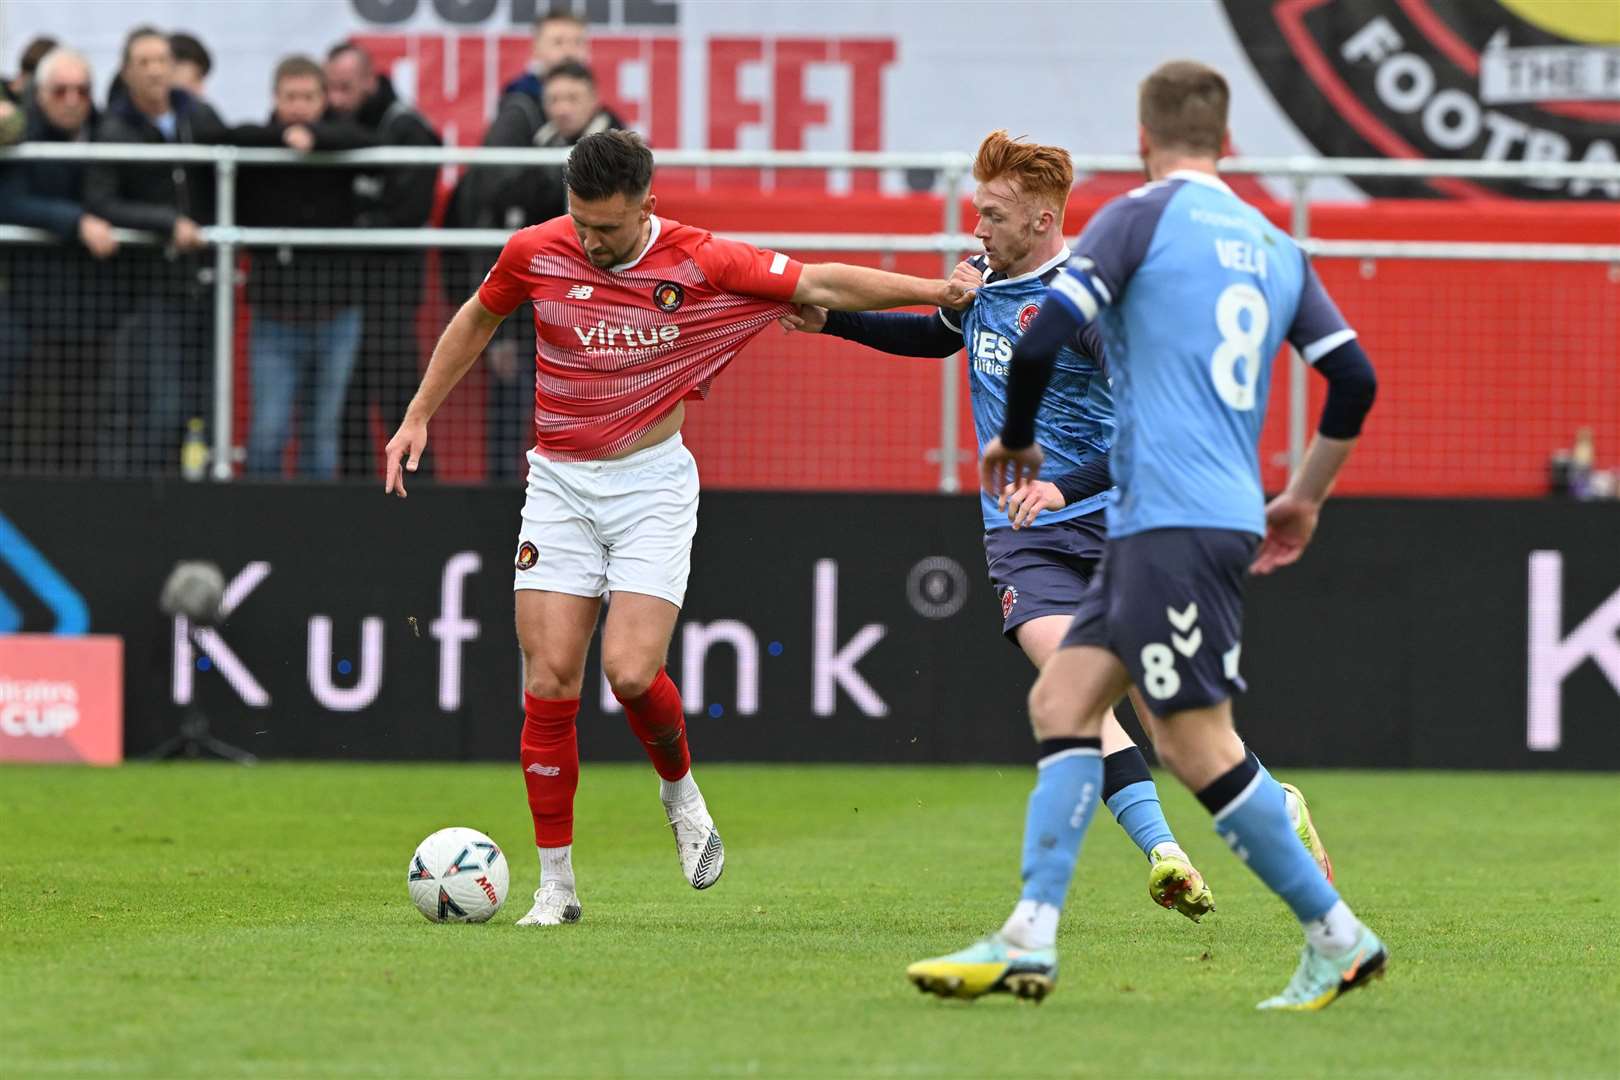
1182, 620
1188, 645
543, 770
580, 292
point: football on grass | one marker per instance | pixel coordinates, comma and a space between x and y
457, 875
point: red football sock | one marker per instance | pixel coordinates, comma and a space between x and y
659, 723
549, 752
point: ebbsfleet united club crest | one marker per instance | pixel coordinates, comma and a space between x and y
1503, 80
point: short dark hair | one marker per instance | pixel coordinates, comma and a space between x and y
140, 33
1183, 105
33, 53
559, 16
187, 48
298, 67
572, 69
609, 163
348, 45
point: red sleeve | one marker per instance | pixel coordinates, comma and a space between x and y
748, 271
505, 286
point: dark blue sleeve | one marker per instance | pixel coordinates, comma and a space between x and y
1352, 386
1088, 343
1111, 247
900, 333
1087, 479
20, 205
1318, 328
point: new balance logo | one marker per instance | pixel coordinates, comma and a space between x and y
580, 292
543, 770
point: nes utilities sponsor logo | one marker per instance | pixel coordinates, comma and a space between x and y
991, 353
37, 708
1493, 80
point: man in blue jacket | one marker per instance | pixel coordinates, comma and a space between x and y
35, 320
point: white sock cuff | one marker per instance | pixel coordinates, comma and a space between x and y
674, 791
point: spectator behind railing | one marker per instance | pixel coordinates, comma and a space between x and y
388, 283
573, 111
306, 323
48, 340
192, 63
161, 348
495, 194
15, 91
49, 194
35, 51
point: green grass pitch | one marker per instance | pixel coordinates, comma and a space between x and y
211, 921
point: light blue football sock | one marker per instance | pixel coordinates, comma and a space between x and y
1136, 808
1251, 815
1068, 784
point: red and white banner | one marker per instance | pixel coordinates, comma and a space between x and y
1475, 79
62, 698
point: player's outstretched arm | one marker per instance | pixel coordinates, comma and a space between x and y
860, 288
458, 349
898, 333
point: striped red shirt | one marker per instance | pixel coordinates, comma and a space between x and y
617, 349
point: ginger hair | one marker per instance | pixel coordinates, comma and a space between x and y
1042, 173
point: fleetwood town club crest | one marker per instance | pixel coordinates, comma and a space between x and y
1009, 597
527, 555
1493, 80
1026, 315
668, 295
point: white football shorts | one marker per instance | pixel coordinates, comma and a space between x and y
624, 525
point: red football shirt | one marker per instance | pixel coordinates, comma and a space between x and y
618, 348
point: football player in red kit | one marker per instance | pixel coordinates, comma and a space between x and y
633, 314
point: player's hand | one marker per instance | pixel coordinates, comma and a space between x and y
1290, 522
1022, 504
808, 319
300, 138
407, 445
187, 234
1001, 468
967, 275
955, 294
97, 236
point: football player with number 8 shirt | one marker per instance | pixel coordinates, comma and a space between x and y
633, 315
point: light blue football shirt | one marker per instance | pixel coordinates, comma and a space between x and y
1075, 423
1194, 292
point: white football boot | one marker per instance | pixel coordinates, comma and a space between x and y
554, 904
697, 841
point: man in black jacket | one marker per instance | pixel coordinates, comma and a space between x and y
37, 323
162, 348
389, 282
306, 325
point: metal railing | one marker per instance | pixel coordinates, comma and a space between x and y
227, 238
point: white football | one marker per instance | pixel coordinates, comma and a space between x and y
457, 875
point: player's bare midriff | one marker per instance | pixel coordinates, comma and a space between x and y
669, 425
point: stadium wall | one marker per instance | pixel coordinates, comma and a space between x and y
821, 627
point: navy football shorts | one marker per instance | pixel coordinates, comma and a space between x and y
1169, 604
1043, 570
